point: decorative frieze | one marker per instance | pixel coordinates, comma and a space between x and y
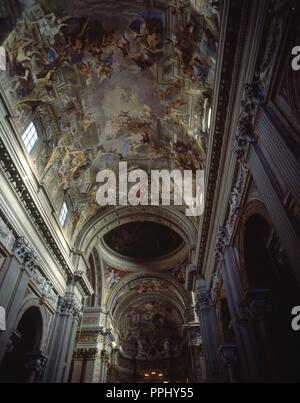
216, 282
225, 231
7, 237
236, 197
91, 337
90, 321
44, 286
86, 353
22, 250
30, 262
245, 127
222, 241
92, 353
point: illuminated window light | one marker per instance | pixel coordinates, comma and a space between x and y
30, 137
209, 118
63, 214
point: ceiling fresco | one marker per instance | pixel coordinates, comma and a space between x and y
148, 315
112, 276
143, 286
107, 81
130, 86
151, 329
143, 240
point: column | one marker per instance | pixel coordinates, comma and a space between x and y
93, 366
77, 367
209, 332
194, 352
241, 320
66, 322
113, 373
104, 366
92, 356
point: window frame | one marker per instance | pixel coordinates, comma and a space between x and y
32, 134
63, 214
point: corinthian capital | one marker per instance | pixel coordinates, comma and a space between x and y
203, 295
67, 306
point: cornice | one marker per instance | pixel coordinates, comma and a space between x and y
125, 263
255, 58
167, 215
18, 185
233, 14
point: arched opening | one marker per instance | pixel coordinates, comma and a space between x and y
148, 318
19, 364
272, 293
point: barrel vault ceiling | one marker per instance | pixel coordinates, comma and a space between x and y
110, 81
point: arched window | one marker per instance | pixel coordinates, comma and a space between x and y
63, 214
30, 137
